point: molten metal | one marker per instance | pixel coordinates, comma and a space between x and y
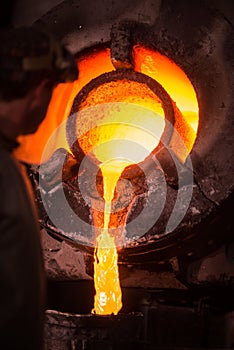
147, 61
108, 297
110, 144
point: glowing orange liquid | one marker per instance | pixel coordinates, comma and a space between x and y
127, 123
147, 61
175, 82
108, 298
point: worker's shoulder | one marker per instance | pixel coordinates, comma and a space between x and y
10, 172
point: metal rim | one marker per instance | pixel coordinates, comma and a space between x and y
122, 74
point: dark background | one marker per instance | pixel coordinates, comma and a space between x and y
25, 12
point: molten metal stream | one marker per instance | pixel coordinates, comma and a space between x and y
108, 298
114, 145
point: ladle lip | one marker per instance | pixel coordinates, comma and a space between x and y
112, 76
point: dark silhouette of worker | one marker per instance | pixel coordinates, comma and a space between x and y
31, 64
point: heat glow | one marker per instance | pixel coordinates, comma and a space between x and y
147, 61
125, 126
113, 145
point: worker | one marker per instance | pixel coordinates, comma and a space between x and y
32, 63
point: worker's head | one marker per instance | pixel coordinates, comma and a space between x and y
32, 62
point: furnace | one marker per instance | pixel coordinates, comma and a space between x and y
163, 70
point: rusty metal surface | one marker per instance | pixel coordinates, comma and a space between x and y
168, 318
73, 331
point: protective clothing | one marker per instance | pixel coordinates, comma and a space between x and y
22, 277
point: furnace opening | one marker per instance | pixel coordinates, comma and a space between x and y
143, 101
97, 62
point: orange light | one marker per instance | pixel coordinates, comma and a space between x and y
108, 298
32, 146
147, 61
180, 89
109, 142
128, 110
